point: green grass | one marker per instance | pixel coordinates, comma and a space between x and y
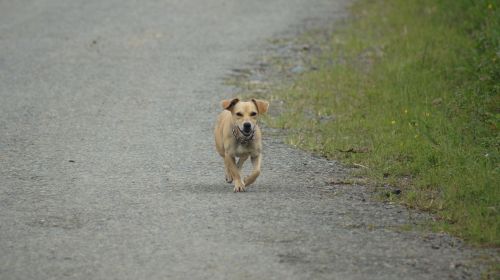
411, 91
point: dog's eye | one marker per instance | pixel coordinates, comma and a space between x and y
253, 114
239, 114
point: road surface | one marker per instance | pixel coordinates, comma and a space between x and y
108, 168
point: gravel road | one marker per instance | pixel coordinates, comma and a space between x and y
108, 169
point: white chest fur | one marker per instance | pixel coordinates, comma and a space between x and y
244, 150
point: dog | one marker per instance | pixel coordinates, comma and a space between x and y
237, 135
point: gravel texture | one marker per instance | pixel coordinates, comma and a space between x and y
108, 168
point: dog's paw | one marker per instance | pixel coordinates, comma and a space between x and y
239, 187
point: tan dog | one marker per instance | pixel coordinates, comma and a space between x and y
238, 135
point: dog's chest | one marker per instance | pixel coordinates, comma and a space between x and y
244, 150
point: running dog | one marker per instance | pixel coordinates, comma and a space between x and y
237, 135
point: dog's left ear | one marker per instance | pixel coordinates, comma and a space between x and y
229, 103
261, 105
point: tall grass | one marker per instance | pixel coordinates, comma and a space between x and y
411, 91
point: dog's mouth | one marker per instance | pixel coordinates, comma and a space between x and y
246, 133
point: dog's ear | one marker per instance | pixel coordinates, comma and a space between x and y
261, 105
229, 103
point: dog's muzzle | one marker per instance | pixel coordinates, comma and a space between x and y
242, 136
246, 131
247, 128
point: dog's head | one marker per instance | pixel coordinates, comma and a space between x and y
245, 113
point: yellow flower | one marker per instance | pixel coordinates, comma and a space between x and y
490, 6
406, 111
393, 122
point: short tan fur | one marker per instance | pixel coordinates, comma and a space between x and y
237, 135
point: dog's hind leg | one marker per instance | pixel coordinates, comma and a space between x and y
256, 161
241, 160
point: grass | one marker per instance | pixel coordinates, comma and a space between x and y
410, 90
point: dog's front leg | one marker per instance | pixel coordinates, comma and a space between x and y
255, 172
230, 163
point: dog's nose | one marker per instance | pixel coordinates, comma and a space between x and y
247, 126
